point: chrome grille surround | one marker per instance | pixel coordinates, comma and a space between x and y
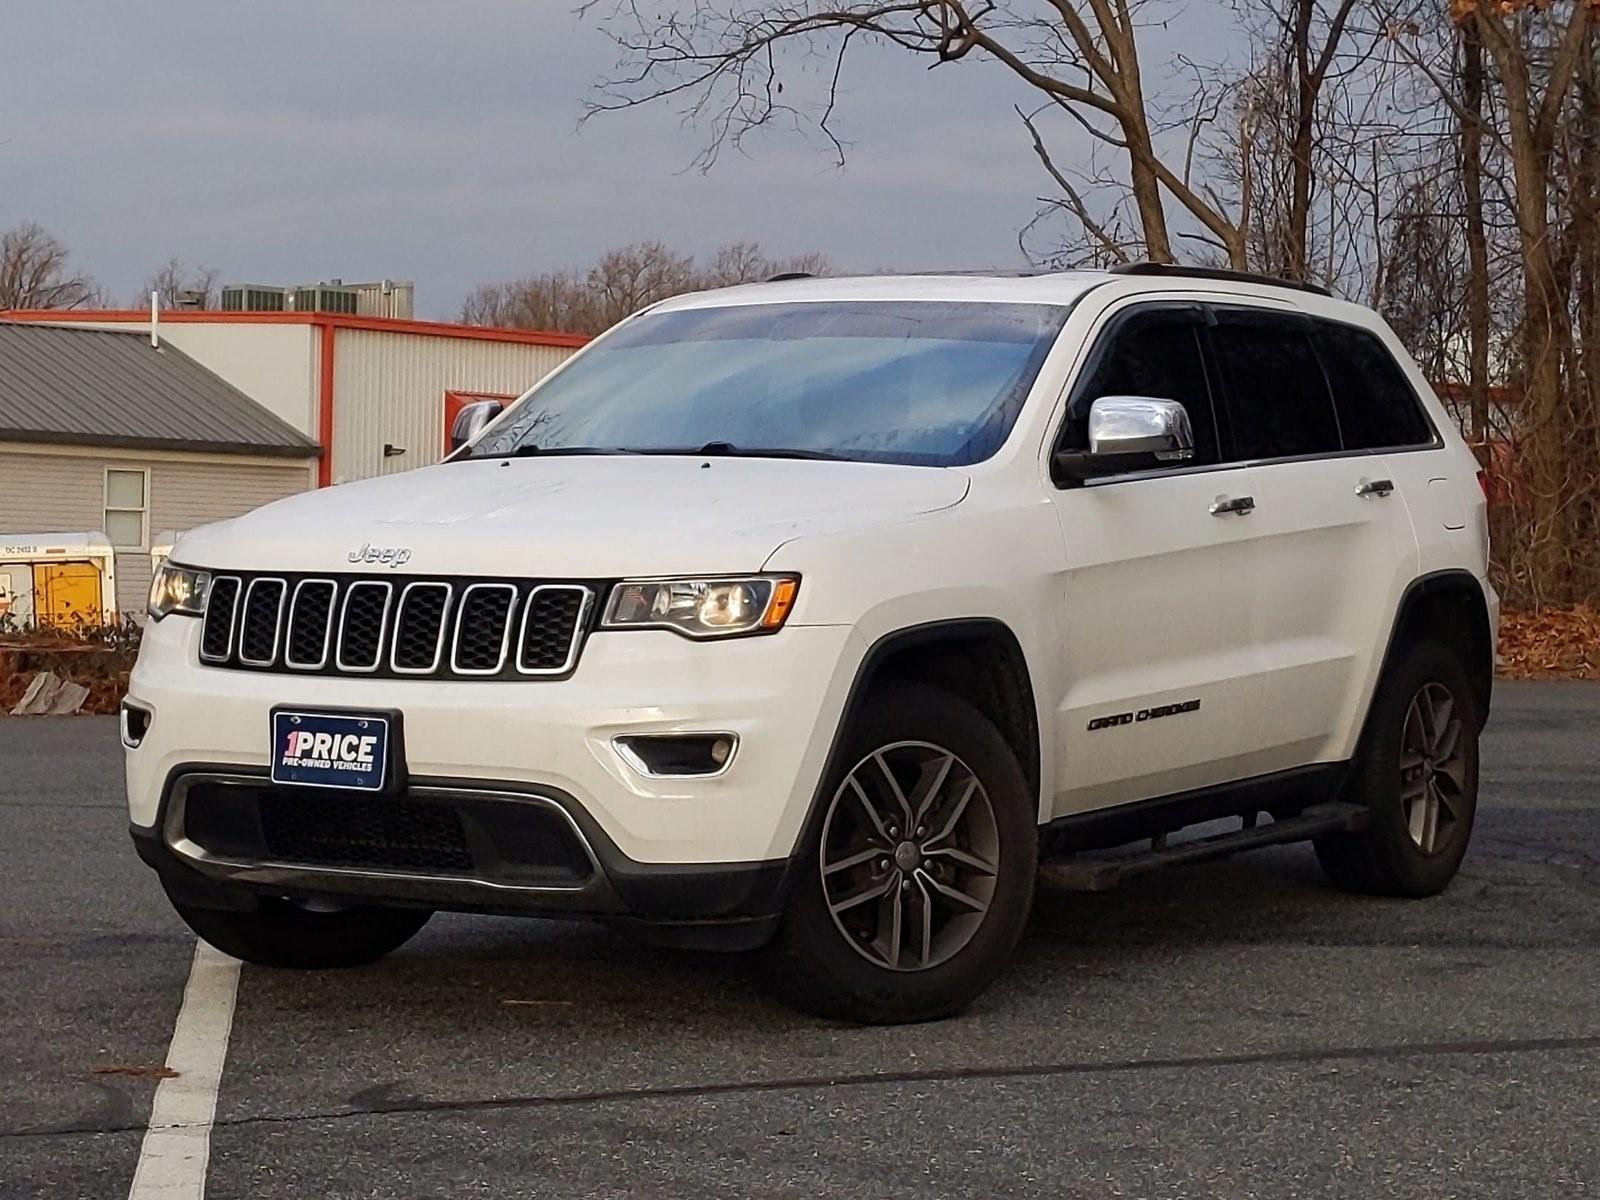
363, 625
303, 612
481, 642
398, 628
221, 619
531, 609
263, 603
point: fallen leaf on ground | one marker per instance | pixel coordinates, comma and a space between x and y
1551, 643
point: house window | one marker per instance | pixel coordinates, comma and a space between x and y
127, 508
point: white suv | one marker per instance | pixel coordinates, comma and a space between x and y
813, 615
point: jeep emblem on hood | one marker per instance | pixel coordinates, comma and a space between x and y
388, 556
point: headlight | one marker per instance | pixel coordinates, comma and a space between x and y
177, 589
702, 608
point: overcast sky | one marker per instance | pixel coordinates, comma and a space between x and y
438, 142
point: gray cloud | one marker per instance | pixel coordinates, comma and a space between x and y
439, 142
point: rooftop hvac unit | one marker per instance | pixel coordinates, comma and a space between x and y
325, 298
254, 297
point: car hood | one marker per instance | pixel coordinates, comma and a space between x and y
589, 517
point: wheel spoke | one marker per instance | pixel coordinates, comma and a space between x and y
890, 912
927, 919
1417, 816
1449, 742
1447, 798
965, 858
1442, 710
954, 818
1455, 770
1430, 825
899, 793
1415, 735
854, 860
957, 897
928, 788
854, 785
871, 892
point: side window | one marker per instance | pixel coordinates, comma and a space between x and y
1378, 410
1277, 396
1153, 353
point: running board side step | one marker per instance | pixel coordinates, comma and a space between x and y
1089, 874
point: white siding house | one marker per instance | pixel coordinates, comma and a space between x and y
100, 430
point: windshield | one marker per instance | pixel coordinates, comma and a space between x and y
923, 383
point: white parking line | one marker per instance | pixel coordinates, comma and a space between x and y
177, 1144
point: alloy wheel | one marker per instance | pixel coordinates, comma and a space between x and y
910, 856
1433, 768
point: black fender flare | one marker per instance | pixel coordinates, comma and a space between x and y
895, 642
1434, 583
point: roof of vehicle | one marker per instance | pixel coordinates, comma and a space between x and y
1062, 287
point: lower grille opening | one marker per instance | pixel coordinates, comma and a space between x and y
364, 833
499, 840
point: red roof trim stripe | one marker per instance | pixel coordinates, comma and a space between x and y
479, 333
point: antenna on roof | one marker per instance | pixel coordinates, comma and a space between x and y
155, 320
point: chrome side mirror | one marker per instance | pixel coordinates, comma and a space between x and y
472, 420
1130, 433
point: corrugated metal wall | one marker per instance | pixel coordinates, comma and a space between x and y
389, 388
57, 492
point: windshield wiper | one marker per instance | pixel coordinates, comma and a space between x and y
729, 450
534, 450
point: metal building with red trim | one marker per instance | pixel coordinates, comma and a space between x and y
374, 392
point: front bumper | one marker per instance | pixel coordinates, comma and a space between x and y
781, 695
524, 852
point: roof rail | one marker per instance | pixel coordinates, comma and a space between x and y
1175, 271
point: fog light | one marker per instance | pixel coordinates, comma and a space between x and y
677, 755
135, 724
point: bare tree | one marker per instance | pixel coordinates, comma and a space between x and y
725, 62
621, 283
176, 286
36, 272
1538, 50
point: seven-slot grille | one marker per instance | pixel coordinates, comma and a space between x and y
396, 628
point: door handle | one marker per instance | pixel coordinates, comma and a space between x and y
1374, 487
1223, 505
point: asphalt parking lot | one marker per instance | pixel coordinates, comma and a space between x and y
1234, 1030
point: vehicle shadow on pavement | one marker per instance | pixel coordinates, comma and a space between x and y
558, 975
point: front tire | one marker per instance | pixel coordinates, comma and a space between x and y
914, 888
1417, 773
280, 933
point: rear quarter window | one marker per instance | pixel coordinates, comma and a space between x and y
1378, 408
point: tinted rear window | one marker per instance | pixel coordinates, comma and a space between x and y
1378, 410
1278, 401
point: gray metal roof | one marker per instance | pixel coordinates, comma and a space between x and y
101, 387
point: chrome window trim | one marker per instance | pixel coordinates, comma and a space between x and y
277, 622
573, 644
505, 632
233, 620
327, 633
439, 640
383, 625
